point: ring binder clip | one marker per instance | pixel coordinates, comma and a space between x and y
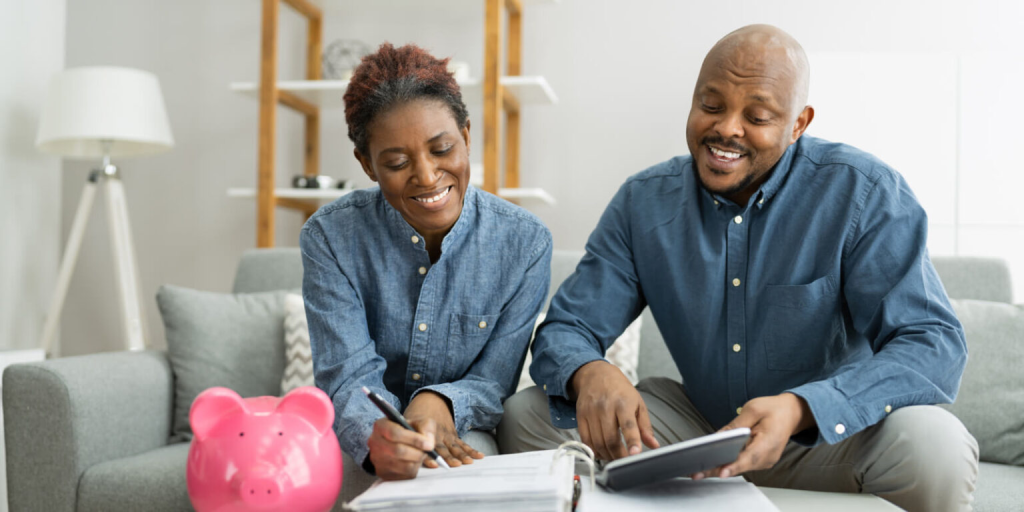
577, 451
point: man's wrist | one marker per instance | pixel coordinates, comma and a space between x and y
805, 418
576, 382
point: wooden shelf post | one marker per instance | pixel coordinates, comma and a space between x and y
268, 120
492, 94
266, 202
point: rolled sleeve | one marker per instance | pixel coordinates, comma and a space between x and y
590, 309
897, 302
344, 358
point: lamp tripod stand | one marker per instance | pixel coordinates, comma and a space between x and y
133, 315
104, 112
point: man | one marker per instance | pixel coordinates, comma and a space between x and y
790, 279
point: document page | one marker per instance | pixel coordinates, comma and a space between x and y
498, 477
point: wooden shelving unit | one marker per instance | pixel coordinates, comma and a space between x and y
503, 93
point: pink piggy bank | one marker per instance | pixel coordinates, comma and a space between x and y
263, 453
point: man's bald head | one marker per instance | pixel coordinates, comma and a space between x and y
766, 50
749, 105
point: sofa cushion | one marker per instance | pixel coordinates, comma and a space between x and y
217, 339
152, 481
991, 398
298, 363
1000, 488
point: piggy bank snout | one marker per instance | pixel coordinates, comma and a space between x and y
261, 489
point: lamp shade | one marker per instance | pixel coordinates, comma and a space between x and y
86, 107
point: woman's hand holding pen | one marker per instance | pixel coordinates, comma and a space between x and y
429, 406
397, 453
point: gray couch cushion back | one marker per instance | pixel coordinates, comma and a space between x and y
265, 270
975, 278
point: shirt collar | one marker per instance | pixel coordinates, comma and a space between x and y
406, 231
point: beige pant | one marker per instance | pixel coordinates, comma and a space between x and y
919, 458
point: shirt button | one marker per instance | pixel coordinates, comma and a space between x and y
736, 347
738, 219
415, 239
736, 282
716, 202
840, 429
545, 387
415, 376
761, 201
423, 270
739, 410
423, 327
888, 409
482, 324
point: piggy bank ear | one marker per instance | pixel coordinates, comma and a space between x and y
310, 404
212, 405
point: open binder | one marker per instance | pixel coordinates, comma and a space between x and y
529, 482
543, 481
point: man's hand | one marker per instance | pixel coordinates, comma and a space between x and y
433, 407
606, 402
772, 421
397, 453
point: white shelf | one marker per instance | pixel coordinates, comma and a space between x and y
528, 90
330, 194
527, 193
328, 5
322, 194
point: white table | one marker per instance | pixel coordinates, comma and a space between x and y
789, 500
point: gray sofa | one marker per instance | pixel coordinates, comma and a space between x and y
91, 433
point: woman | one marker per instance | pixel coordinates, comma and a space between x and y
425, 289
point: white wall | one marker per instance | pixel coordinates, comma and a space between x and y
30, 201
29, 181
624, 72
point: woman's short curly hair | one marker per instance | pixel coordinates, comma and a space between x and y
392, 76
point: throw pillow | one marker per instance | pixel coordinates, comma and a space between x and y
991, 399
624, 353
217, 339
298, 364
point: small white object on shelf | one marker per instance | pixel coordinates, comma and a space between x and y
533, 90
527, 193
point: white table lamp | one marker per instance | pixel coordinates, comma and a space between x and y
104, 112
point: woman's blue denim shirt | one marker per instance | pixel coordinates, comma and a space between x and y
382, 316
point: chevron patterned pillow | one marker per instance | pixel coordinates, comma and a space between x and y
298, 360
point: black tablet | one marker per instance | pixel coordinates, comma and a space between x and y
680, 459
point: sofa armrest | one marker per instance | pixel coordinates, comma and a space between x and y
64, 415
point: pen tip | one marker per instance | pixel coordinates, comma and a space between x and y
366, 390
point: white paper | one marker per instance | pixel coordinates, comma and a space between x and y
678, 494
494, 480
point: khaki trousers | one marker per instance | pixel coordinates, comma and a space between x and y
919, 458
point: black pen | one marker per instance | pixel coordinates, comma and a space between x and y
394, 416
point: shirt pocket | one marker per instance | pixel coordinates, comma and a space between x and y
467, 336
801, 324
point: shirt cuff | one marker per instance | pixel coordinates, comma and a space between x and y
834, 416
563, 410
354, 438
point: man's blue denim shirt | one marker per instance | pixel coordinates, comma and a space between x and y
821, 286
381, 316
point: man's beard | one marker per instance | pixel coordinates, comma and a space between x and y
739, 187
